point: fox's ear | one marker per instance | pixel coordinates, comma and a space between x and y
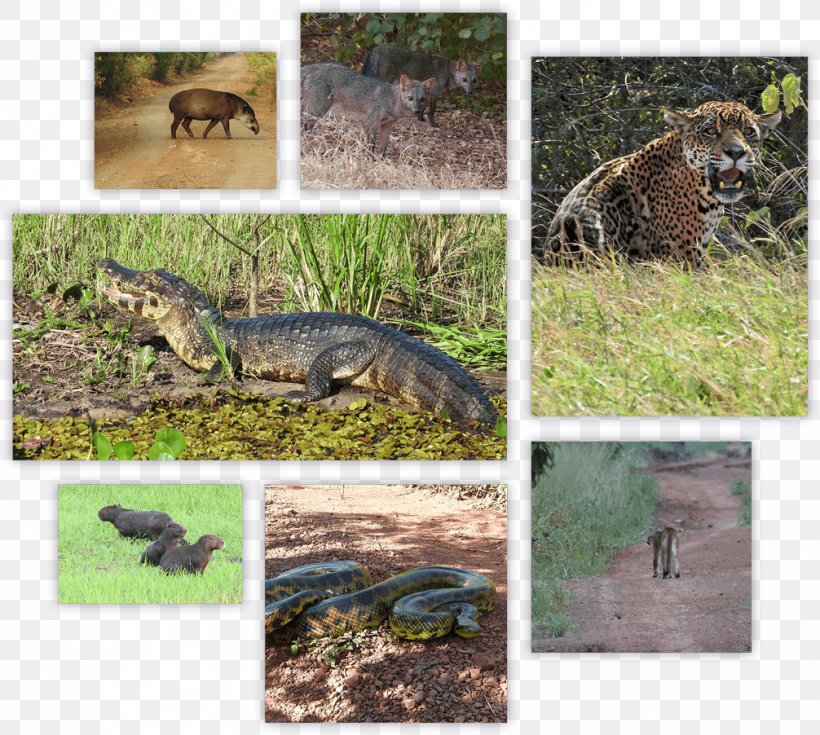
428, 84
404, 81
477, 66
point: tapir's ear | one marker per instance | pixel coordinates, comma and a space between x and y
678, 120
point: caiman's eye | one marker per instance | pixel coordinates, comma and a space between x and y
711, 130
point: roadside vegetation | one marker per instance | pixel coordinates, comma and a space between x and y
97, 565
587, 504
115, 72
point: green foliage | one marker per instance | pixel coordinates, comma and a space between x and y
351, 273
478, 349
242, 426
220, 349
168, 444
474, 36
164, 65
263, 64
745, 491
440, 268
113, 71
585, 508
651, 339
790, 87
96, 565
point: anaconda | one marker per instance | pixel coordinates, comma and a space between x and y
316, 348
328, 599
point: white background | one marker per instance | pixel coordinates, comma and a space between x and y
192, 669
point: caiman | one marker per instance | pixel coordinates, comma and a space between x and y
314, 348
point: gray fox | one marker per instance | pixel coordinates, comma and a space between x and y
388, 62
378, 105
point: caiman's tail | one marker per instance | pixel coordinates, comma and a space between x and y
427, 377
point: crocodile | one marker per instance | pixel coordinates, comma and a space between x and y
314, 348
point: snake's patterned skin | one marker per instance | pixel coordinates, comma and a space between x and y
328, 599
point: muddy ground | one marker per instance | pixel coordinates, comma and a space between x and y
709, 608
390, 529
59, 368
133, 148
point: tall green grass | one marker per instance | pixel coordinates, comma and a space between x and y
653, 339
585, 508
97, 565
448, 269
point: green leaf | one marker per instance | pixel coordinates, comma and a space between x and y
501, 427
358, 404
466, 33
791, 92
173, 439
124, 450
770, 98
160, 450
147, 358
102, 445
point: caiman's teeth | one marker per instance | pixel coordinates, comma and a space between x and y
738, 184
722, 184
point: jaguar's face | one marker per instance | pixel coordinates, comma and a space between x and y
721, 140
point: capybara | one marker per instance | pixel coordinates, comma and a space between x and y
208, 104
192, 558
169, 538
136, 523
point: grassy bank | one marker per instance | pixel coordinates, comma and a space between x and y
584, 510
96, 565
652, 339
443, 269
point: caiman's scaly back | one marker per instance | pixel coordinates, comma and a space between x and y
316, 348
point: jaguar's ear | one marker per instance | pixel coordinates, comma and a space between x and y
678, 120
768, 122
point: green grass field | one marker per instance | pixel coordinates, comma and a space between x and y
97, 565
586, 508
655, 340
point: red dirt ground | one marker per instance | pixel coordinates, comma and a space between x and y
709, 608
390, 529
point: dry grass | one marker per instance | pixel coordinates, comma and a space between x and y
335, 155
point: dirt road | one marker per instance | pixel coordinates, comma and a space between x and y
133, 148
375, 676
708, 608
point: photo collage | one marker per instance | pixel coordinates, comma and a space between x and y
407, 367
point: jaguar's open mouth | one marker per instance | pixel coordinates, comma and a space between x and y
728, 184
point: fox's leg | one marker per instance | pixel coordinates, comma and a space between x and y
380, 137
431, 111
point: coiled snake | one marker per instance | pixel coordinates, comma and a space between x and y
331, 598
